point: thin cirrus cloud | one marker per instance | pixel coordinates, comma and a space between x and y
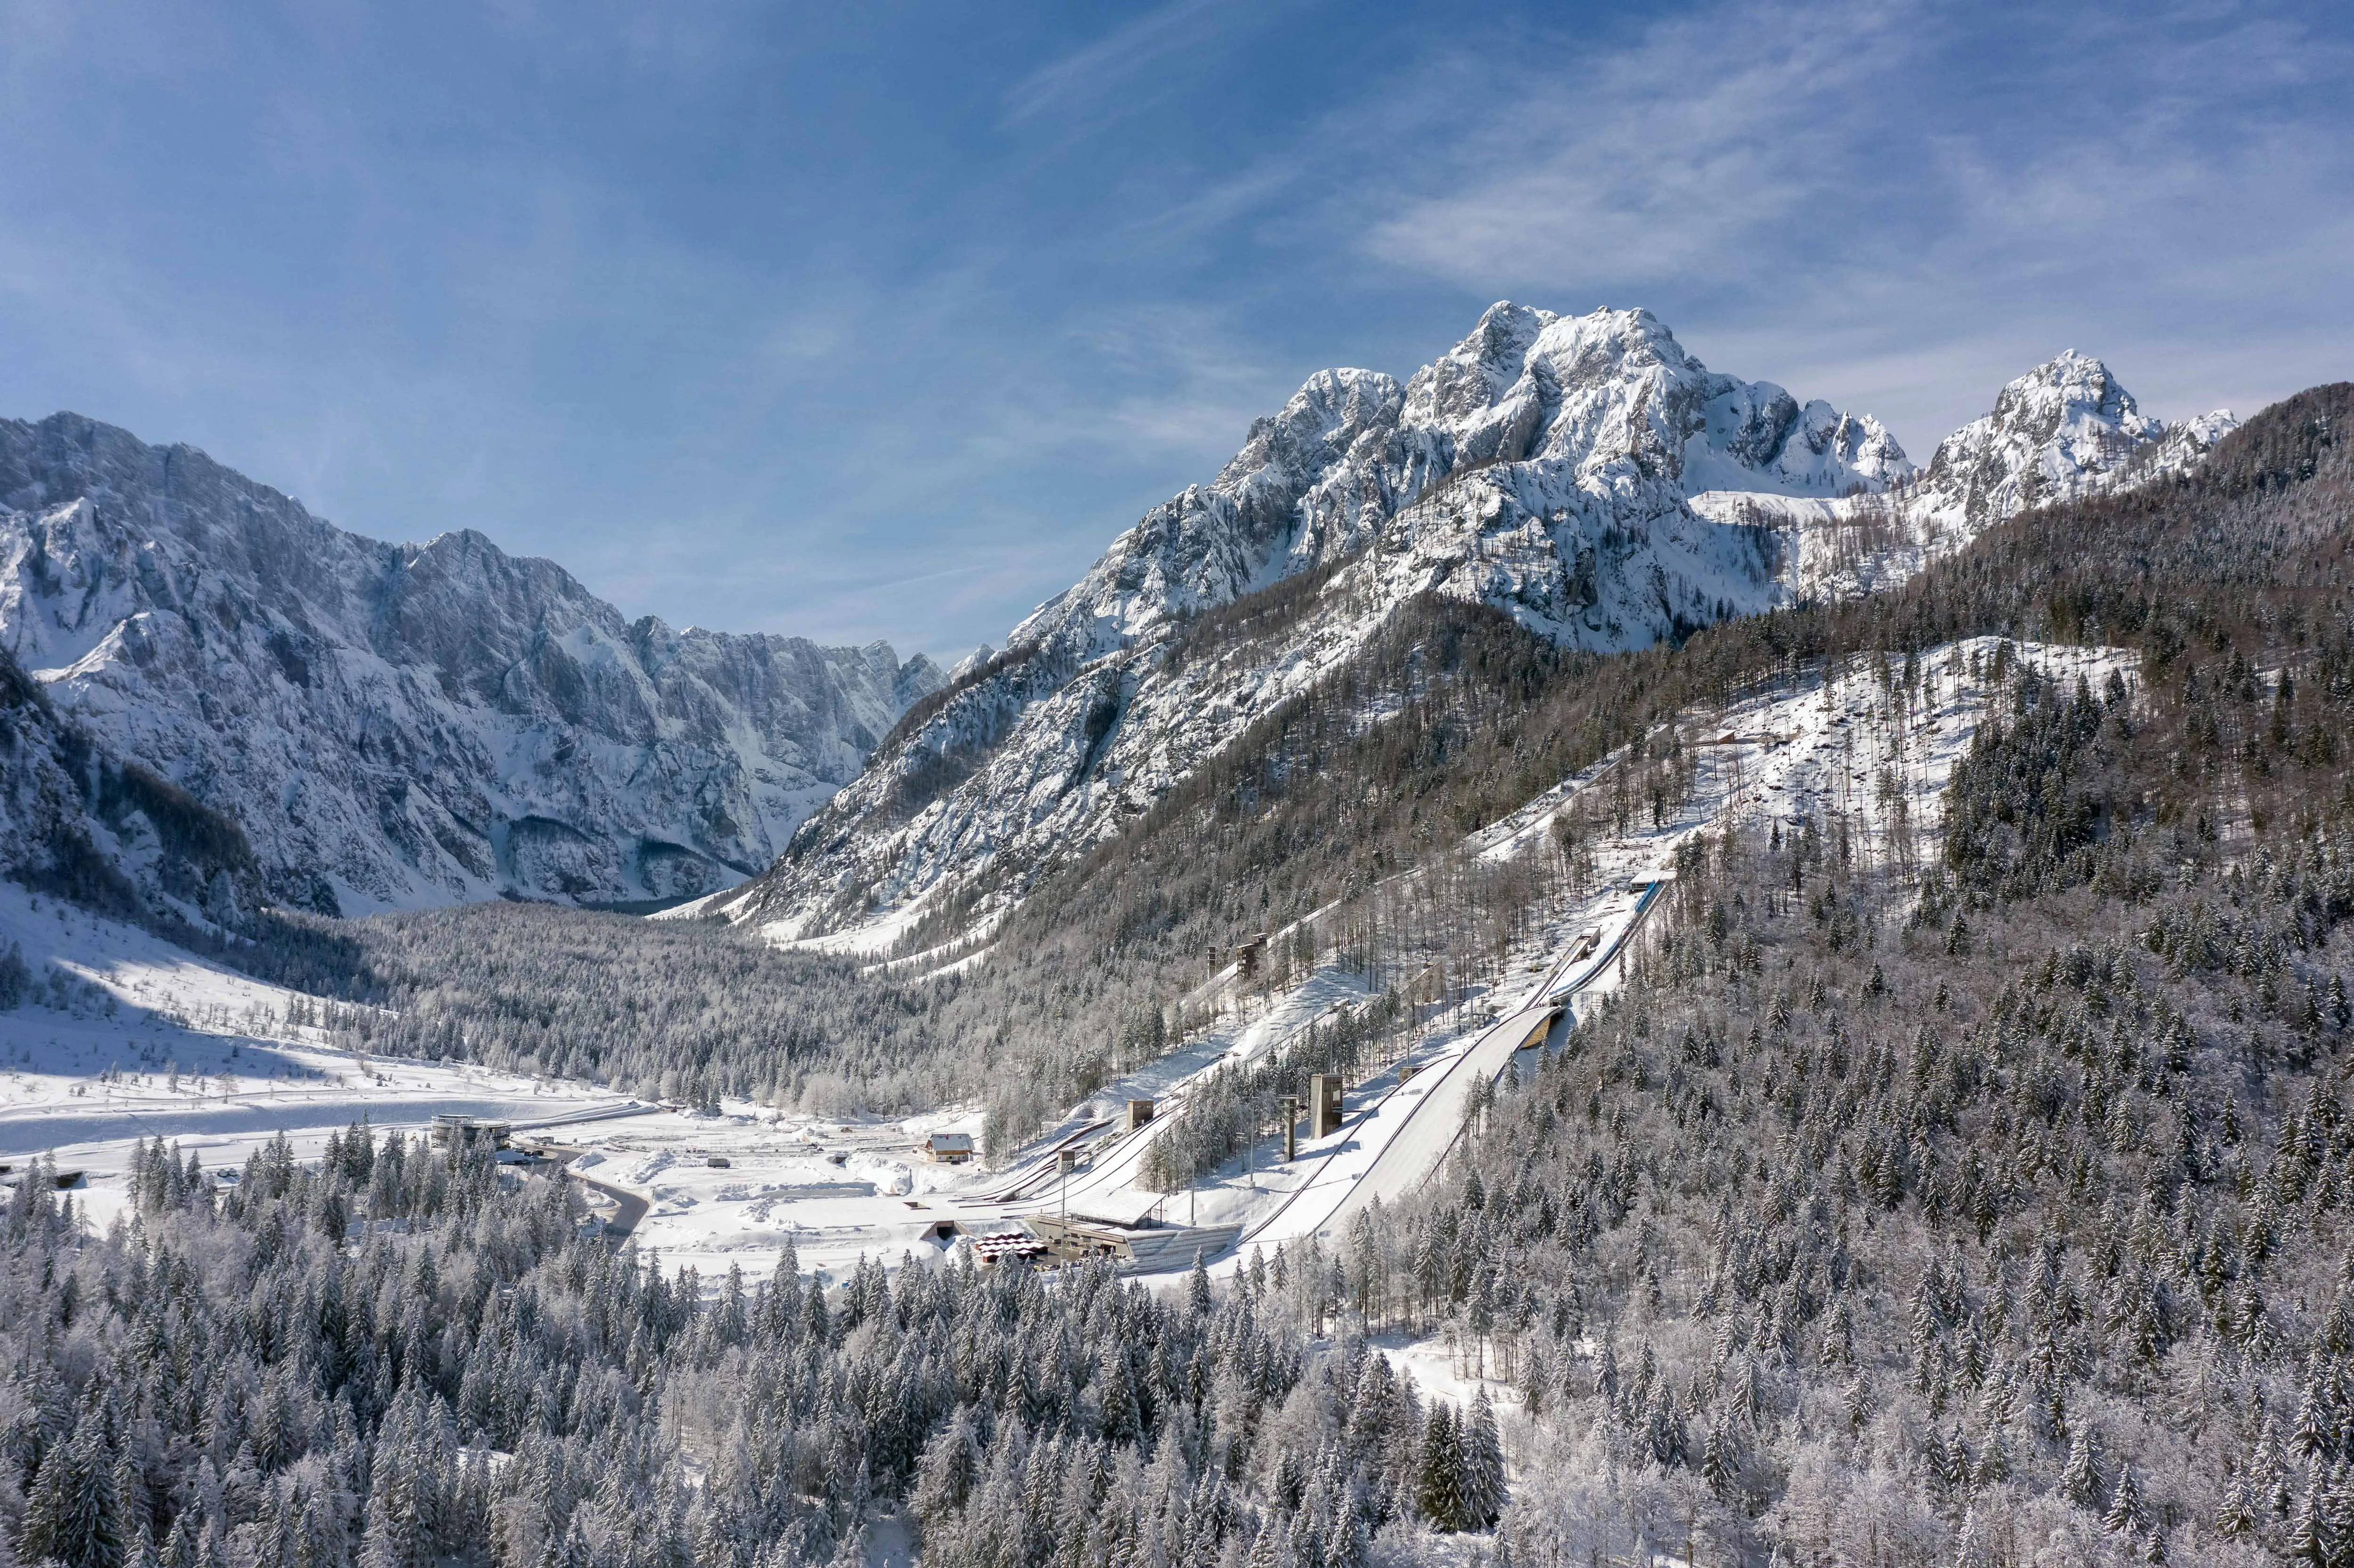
1103, 73
1705, 136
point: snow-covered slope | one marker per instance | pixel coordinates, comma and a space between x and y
110, 835
1541, 466
2064, 429
408, 725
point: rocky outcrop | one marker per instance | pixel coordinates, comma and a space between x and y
2064, 429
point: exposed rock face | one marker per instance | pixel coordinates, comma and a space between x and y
1542, 466
404, 725
107, 834
2064, 429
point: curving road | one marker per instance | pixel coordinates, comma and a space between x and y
630, 1207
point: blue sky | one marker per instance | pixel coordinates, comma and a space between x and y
882, 320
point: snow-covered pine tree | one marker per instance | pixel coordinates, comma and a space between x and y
2308, 1538
1483, 1466
1716, 1460
2125, 1513
944, 1475
1439, 1479
73, 1516
397, 1530
2080, 1477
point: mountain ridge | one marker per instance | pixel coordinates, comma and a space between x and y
408, 724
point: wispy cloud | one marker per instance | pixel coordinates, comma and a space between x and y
1709, 136
1194, 383
120, 317
1838, 189
1088, 77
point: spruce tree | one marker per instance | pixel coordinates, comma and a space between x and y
81, 1516
396, 1532
38, 1531
944, 1475
1440, 1483
1119, 1418
2080, 1479
2126, 1508
180, 1547
1716, 1460
2307, 1539
1483, 1466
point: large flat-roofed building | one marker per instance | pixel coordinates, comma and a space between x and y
1147, 1249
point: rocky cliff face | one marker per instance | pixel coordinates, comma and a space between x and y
2064, 429
1542, 466
403, 725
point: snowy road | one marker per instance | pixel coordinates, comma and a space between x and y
31, 1129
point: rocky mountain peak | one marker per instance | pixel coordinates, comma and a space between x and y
1542, 465
2067, 428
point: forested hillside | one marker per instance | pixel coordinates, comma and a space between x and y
1994, 1211
1980, 1202
395, 1359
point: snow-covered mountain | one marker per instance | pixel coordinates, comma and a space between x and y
1584, 474
2064, 429
1558, 426
404, 725
104, 833
1541, 466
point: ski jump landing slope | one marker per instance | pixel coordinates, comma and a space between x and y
1425, 1112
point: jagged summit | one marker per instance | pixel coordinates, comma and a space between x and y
1605, 411
404, 725
2065, 429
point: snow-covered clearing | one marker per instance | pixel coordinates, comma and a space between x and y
148, 1040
